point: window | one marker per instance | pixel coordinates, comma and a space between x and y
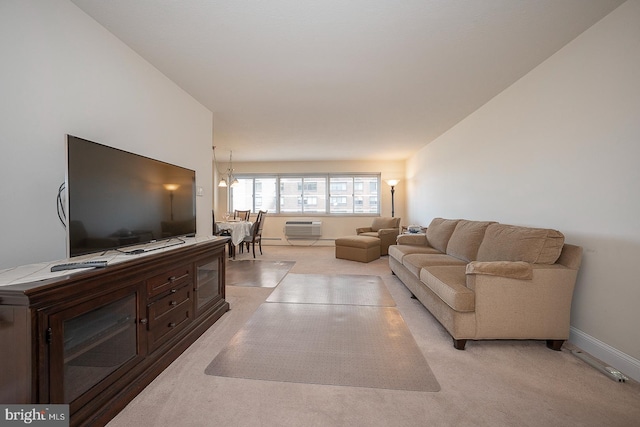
255, 194
290, 195
305, 194
338, 201
308, 194
358, 194
337, 187
310, 186
243, 195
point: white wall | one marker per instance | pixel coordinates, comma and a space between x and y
559, 149
62, 74
333, 226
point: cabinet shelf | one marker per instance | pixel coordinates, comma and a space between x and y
94, 341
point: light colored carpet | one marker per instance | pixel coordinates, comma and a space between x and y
333, 344
241, 273
491, 383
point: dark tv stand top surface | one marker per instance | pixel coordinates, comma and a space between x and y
18, 285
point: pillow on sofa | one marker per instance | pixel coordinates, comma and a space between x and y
466, 239
512, 243
511, 269
439, 232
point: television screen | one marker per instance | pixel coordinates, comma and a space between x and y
117, 198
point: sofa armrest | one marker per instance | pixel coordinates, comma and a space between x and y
571, 256
539, 308
364, 230
388, 231
412, 239
511, 269
387, 238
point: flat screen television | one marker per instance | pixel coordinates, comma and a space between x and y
119, 199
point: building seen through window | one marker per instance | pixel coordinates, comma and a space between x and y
308, 194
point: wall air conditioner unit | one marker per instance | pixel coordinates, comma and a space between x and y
303, 229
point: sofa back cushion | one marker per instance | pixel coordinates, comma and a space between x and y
512, 243
466, 239
384, 222
439, 232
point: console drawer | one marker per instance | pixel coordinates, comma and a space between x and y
166, 322
164, 306
169, 280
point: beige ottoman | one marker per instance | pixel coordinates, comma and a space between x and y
358, 248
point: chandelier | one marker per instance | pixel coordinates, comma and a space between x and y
227, 180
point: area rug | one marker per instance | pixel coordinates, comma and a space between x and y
356, 345
256, 273
350, 289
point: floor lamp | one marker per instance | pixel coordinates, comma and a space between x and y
171, 188
392, 183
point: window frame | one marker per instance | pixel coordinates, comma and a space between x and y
377, 176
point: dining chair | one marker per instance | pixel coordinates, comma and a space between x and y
256, 234
243, 215
225, 233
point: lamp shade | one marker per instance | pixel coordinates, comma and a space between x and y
171, 187
392, 182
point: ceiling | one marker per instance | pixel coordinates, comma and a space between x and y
295, 80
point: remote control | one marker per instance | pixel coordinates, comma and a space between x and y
79, 264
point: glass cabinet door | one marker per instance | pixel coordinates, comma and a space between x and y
92, 344
207, 284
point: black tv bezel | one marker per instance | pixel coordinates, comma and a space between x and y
119, 247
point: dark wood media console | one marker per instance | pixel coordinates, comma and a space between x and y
95, 339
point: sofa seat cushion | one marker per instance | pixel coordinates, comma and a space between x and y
512, 243
399, 251
466, 239
439, 232
415, 262
449, 283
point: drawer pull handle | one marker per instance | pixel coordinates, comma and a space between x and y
173, 303
172, 278
173, 291
172, 324
144, 321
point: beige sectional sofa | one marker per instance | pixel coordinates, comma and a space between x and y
485, 280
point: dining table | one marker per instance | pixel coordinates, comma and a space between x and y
238, 230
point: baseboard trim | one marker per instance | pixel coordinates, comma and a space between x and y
297, 242
610, 355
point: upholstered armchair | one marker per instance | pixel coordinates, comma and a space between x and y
386, 229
